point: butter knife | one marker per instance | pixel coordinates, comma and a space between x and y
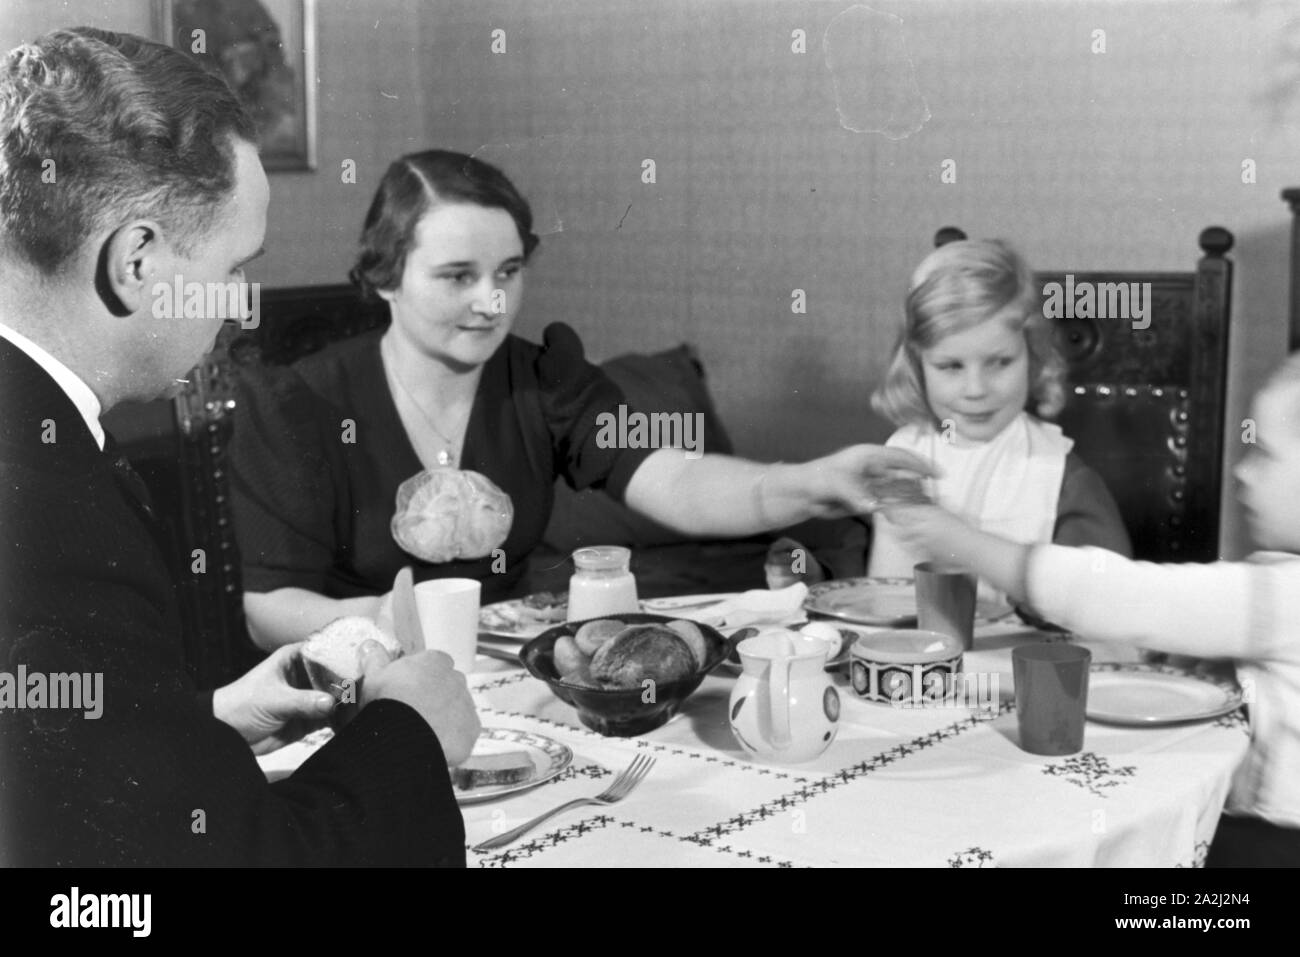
670, 604
406, 615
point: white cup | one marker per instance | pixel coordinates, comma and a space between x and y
449, 618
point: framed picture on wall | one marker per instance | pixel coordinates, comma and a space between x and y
266, 50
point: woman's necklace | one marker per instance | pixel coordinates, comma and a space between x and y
447, 454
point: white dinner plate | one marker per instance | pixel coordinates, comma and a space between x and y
1149, 695
883, 602
284, 761
549, 758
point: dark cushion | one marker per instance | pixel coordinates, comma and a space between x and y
670, 381
666, 562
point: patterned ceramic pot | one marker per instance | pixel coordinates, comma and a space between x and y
897, 667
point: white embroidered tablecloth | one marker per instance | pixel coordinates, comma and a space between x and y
936, 787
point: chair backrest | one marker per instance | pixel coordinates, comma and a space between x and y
1147, 399
293, 322
299, 320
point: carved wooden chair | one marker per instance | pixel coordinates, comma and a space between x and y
294, 323
1147, 407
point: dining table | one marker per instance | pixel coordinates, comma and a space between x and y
944, 785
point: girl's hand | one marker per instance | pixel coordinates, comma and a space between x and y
957, 546
930, 529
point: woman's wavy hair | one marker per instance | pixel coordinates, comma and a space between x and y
98, 128
958, 286
411, 187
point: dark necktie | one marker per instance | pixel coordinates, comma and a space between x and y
128, 478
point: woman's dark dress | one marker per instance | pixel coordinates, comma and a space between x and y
319, 451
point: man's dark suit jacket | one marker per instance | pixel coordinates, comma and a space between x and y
157, 779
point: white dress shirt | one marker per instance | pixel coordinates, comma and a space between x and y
71, 383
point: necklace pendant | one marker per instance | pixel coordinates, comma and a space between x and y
444, 457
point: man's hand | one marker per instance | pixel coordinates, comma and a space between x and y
267, 707
429, 682
849, 481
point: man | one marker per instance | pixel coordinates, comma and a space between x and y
122, 165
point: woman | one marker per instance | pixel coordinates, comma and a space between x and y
320, 449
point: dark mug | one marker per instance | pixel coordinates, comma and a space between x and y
1051, 696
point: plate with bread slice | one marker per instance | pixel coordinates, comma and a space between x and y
524, 618
505, 761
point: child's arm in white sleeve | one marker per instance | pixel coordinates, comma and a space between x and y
1224, 609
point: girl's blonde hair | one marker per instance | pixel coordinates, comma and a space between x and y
958, 286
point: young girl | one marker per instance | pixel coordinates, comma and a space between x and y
973, 375
1248, 611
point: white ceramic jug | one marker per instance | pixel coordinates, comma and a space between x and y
784, 707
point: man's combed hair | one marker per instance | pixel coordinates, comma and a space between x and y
98, 128
958, 286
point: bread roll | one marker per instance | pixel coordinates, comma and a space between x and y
568, 656
640, 653
694, 638
592, 636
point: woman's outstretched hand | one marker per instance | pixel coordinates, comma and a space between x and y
726, 497
859, 479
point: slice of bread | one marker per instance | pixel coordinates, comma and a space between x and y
331, 654
544, 606
490, 770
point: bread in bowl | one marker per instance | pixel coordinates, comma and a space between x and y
642, 653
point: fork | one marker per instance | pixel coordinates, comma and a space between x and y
620, 788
